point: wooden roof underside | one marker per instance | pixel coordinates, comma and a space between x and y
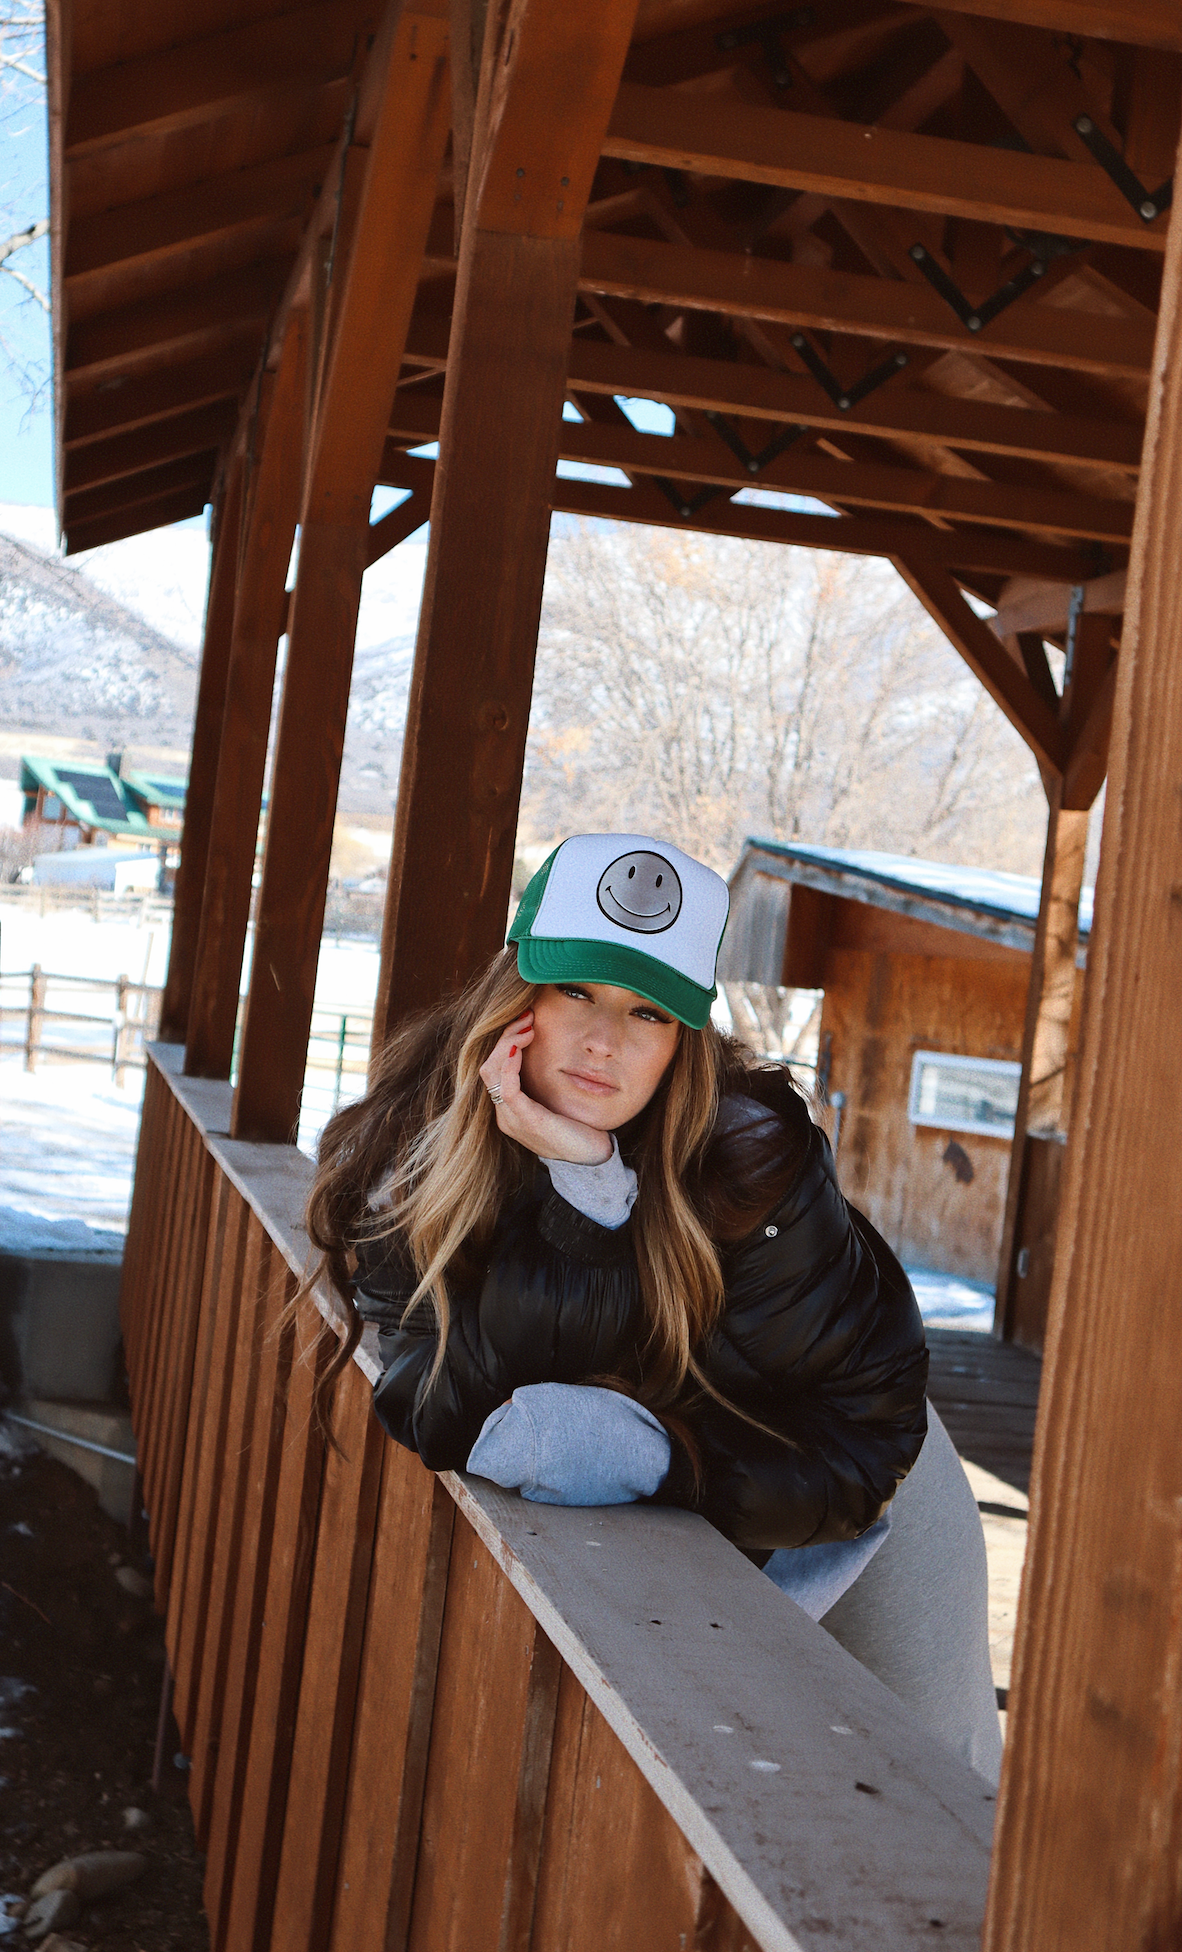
796, 212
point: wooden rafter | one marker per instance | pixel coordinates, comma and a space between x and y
714, 136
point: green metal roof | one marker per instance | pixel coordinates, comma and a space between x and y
92, 795
154, 790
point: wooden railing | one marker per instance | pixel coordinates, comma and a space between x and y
424, 1714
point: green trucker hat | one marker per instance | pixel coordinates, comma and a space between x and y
625, 909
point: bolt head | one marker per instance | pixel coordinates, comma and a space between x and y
843, 403
918, 253
974, 324
1083, 125
900, 359
753, 467
797, 340
564, 183
1149, 210
521, 172
686, 509
1038, 268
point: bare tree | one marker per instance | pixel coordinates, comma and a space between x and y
708, 688
22, 93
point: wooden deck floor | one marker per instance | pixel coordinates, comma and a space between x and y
987, 1394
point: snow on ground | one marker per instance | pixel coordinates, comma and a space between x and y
949, 1301
67, 1155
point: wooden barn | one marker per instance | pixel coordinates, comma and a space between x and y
925, 971
913, 263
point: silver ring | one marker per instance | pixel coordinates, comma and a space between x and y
494, 1092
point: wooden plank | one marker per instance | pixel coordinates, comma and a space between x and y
183, 1343
210, 1467
616, 1871
495, 1701
395, 1703
406, 151
179, 326
732, 386
84, 507
280, 1656
93, 415
736, 286
197, 431
1045, 1041
203, 757
218, 1609
733, 1677
1145, 23
386, 533
261, 1469
1009, 687
1049, 608
216, 208
212, 75
246, 719
713, 135
862, 484
1099, 1623
332, 1660
137, 519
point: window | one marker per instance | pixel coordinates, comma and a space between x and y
964, 1094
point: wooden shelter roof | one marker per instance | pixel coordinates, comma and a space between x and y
899, 260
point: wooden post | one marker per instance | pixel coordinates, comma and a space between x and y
250, 683
203, 761
546, 94
1089, 1829
1043, 1107
36, 1013
119, 1048
404, 128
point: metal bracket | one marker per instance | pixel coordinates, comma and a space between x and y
1147, 204
845, 397
686, 509
766, 34
754, 463
974, 317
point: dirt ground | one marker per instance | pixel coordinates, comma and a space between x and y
81, 1662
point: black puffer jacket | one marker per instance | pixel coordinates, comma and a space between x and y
821, 1340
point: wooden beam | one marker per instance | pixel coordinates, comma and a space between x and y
405, 145
138, 400
214, 75
139, 490
179, 326
179, 506
273, 504
763, 393
550, 83
148, 447
1089, 1826
218, 207
736, 286
716, 135
1049, 511
1049, 609
1007, 685
1144, 23
984, 551
203, 758
391, 529
1087, 710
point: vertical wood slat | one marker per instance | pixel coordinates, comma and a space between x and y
180, 1597
146, 1203
1089, 1827
171, 1292
395, 1698
250, 1904
183, 1351
243, 1368
210, 1465
332, 1662
263, 1466
495, 1701
168, 1138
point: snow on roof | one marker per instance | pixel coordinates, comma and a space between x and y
92, 795
154, 790
1011, 897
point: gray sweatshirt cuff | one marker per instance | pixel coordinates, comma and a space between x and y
605, 1194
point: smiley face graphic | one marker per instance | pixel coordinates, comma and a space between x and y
640, 891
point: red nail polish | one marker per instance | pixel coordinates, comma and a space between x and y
513, 1050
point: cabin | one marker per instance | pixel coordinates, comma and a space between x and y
925, 970
88, 802
909, 281
161, 801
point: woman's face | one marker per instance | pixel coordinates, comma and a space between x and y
598, 1053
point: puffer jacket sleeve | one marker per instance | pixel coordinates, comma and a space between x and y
821, 1342
558, 1302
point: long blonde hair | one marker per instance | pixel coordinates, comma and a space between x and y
422, 1158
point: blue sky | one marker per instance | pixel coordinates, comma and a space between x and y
26, 424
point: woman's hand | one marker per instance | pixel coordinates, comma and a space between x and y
519, 1117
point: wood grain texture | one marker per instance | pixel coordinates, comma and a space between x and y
273, 504
370, 315
1089, 1849
495, 1700
395, 1703
203, 757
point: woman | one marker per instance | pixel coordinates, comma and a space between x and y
609, 1260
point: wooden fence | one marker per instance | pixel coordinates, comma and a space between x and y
424, 1714
116, 1034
